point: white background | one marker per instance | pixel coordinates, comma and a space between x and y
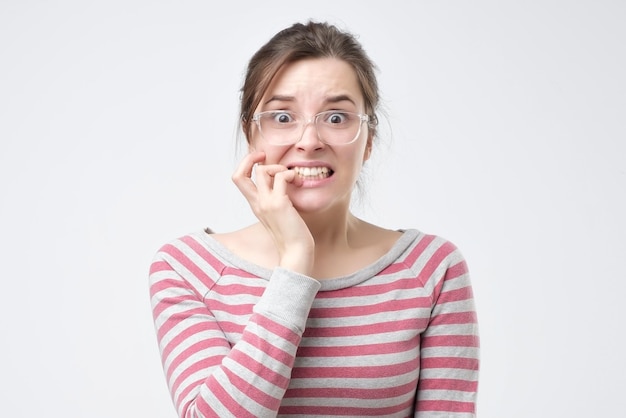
117, 133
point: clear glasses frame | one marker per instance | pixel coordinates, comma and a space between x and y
301, 123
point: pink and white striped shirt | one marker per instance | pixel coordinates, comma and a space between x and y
396, 339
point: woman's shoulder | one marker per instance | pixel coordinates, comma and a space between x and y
210, 251
182, 247
427, 248
251, 243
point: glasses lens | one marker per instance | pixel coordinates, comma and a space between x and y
280, 128
337, 127
333, 127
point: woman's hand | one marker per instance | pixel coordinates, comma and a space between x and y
271, 205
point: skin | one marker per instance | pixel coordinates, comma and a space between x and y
306, 225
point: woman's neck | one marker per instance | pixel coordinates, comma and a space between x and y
332, 231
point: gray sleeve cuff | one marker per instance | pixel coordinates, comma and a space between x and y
288, 297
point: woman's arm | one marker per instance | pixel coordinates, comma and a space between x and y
450, 348
205, 375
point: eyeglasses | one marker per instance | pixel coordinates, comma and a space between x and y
334, 127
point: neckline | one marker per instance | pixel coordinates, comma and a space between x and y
406, 239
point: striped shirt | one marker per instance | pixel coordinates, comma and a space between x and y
398, 338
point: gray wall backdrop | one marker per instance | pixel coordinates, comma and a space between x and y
506, 133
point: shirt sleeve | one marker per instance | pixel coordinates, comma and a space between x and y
206, 376
450, 347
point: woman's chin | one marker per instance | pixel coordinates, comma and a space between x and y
311, 202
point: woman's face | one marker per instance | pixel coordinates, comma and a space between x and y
309, 87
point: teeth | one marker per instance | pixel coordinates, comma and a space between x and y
315, 172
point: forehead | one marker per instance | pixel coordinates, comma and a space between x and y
315, 80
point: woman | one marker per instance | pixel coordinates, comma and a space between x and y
312, 311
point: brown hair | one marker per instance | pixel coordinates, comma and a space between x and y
301, 41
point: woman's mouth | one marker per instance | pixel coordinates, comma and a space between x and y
310, 173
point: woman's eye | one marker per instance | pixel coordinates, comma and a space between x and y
335, 118
282, 117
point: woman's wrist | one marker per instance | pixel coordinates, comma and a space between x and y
298, 259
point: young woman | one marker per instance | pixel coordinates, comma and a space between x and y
312, 311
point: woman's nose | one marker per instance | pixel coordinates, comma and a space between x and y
309, 138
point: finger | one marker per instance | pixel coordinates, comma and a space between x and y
265, 175
284, 178
245, 166
297, 180
242, 177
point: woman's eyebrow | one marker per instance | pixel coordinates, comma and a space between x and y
280, 98
340, 98
330, 99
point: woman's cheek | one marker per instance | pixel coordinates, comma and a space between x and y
274, 155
